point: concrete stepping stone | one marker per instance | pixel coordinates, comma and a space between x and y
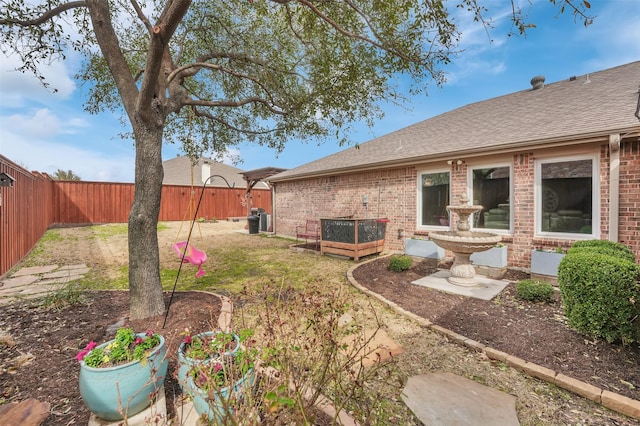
33, 270
39, 290
156, 413
77, 266
486, 289
61, 280
65, 273
21, 281
29, 412
226, 312
449, 400
374, 346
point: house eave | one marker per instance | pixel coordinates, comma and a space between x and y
584, 139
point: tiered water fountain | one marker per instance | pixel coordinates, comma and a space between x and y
463, 243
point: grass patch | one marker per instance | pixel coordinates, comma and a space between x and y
229, 270
45, 244
113, 229
105, 232
70, 295
116, 279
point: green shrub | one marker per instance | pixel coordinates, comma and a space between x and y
399, 263
534, 291
601, 294
604, 247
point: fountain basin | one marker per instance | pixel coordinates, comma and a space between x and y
469, 243
464, 209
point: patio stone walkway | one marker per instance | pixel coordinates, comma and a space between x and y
38, 281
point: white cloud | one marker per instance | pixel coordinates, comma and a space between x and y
19, 88
33, 141
43, 123
51, 156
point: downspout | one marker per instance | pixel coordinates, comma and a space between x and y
273, 207
614, 186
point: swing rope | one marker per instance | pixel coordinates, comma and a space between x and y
195, 215
187, 213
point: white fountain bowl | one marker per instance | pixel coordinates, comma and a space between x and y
473, 243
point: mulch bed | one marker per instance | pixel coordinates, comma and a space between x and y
49, 340
535, 332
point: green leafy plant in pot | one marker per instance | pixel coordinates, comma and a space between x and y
218, 388
203, 348
121, 377
216, 370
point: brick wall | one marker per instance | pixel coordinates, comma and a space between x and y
605, 199
523, 210
629, 232
392, 194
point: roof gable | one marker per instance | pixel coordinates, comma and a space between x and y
177, 171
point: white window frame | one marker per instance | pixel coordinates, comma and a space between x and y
595, 198
419, 225
471, 196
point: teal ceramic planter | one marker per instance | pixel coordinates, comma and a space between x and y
185, 363
218, 404
128, 386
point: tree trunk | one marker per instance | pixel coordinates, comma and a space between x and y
145, 288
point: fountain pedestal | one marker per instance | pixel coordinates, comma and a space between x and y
462, 271
463, 243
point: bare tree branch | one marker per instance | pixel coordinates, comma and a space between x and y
141, 16
227, 124
349, 34
46, 16
238, 103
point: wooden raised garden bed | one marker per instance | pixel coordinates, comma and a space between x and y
353, 238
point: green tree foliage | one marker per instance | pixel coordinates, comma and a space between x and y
225, 72
65, 175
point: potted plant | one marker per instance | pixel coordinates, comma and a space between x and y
119, 378
203, 348
217, 388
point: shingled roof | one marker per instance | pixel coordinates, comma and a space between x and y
177, 171
571, 111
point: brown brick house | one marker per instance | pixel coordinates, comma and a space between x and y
550, 165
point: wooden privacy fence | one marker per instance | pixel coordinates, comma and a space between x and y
35, 202
26, 211
100, 202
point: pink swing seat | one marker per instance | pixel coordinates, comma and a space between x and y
192, 255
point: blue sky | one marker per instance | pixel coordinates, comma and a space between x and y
46, 131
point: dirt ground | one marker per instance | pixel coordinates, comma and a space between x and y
535, 332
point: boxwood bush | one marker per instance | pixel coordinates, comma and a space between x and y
534, 291
604, 247
601, 293
399, 263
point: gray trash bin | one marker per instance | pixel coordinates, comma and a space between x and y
254, 224
264, 219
